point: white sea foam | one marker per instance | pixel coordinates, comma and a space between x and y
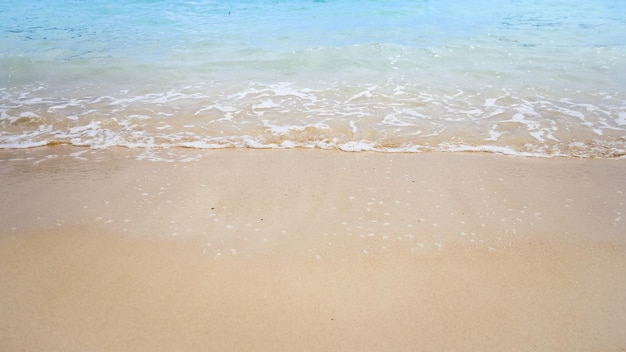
319, 121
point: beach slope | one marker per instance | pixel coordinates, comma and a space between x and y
270, 250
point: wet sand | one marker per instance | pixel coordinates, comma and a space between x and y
310, 250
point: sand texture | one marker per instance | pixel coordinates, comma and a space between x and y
310, 250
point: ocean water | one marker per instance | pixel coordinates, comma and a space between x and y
535, 78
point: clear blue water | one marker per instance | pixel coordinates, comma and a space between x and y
520, 77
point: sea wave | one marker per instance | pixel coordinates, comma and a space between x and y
383, 118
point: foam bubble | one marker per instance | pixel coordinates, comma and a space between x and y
336, 116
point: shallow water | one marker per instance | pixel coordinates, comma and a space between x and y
519, 77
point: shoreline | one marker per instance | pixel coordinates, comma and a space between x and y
310, 249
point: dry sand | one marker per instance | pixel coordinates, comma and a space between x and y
310, 250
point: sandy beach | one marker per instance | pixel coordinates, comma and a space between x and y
310, 250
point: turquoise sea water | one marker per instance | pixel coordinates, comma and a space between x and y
538, 78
